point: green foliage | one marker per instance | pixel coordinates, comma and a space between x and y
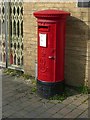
17, 73
61, 96
70, 91
82, 89
26, 76
13, 72
34, 89
58, 97
34, 81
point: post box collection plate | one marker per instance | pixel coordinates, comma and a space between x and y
51, 45
42, 40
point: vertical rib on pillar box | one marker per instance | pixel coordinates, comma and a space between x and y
51, 45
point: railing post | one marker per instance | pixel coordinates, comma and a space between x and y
6, 32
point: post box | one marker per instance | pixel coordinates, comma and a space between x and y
51, 48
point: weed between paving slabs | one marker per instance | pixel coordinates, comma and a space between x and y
30, 81
20, 99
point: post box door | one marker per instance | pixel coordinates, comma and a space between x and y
46, 54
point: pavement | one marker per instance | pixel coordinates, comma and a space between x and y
19, 100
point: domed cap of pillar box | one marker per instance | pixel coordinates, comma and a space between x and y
51, 14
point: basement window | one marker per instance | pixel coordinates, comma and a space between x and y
83, 3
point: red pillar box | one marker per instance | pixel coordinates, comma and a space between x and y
51, 47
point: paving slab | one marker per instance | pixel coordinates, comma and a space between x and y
57, 115
74, 114
20, 102
84, 114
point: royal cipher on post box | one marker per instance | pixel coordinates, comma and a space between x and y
51, 48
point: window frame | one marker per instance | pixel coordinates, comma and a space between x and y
83, 3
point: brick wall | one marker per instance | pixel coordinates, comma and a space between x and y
77, 40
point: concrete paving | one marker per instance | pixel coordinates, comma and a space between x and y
18, 101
